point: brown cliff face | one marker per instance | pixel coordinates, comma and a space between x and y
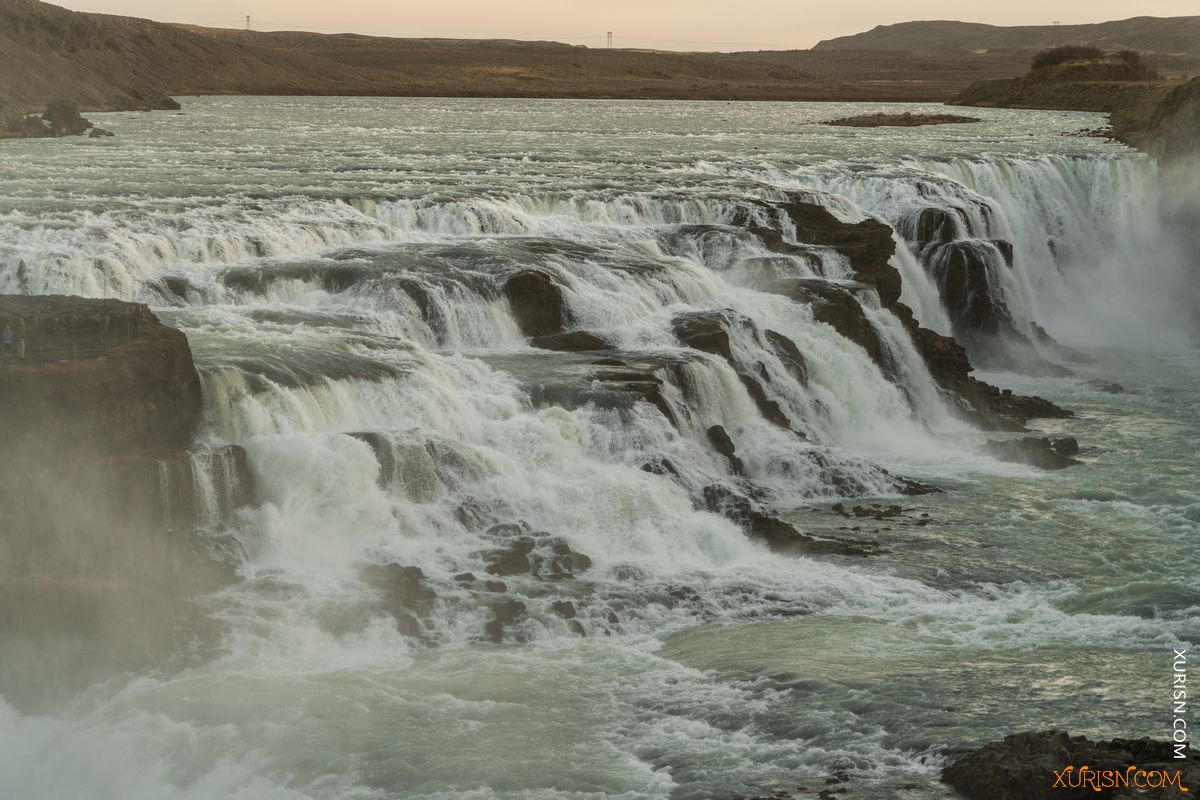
98, 374
98, 560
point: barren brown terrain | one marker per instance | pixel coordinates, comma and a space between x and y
107, 62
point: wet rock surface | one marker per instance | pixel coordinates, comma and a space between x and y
405, 594
539, 555
1040, 452
537, 303
1025, 766
570, 341
101, 397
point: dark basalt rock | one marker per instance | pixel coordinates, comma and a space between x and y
721, 441
564, 608
539, 555
705, 331
788, 353
504, 614
537, 303
962, 272
932, 226
405, 594
868, 245
1038, 452
570, 341
708, 331
1025, 766
99, 562
904, 120
980, 402
780, 536
1005, 249
837, 307
64, 119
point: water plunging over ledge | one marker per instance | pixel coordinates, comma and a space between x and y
590, 617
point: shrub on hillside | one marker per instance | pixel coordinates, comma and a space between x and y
1064, 53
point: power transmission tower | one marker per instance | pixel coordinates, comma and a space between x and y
610, 40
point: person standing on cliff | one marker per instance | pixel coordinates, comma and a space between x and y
6, 342
21, 339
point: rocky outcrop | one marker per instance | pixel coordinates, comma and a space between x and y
1170, 132
571, 342
107, 375
538, 554
62, 118
1040, 452
1049, 765
980, 402
404, 594
99, 497
836, 306
709, 332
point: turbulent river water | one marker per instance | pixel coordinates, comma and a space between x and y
335, 264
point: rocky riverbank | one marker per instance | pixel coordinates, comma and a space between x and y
98, 561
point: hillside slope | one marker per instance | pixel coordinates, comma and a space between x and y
1160, 35
103, 62
1171, 44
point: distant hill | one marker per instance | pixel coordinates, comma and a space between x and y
103, 62
1173, 41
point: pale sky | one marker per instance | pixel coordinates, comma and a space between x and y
665, 24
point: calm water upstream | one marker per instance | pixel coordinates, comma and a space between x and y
286, 236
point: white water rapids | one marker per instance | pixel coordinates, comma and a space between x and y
336, 265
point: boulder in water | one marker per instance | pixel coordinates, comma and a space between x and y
504, 614
789, 354
64, 119
405, 594
539, 555
1036, 451
705, 331
868, 245
721, 441
537, 303
1027, 766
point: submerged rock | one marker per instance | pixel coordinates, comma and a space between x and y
1026, 766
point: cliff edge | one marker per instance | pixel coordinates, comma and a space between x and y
102, 551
